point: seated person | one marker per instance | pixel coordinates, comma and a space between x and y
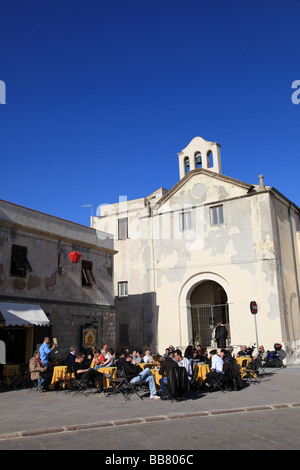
148, 358
183, 362
203, 354
196, 358
109, 359
120, 361
262, 354
135, 374
243, 352
230, 351
167, 364
88, 374
188, 353
98, 358
136, 356
167, 353
71, 359
216, 367
39, 372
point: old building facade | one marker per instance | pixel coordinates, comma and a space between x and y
38, 278
199, 253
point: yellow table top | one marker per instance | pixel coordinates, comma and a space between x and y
59, 371
239, 360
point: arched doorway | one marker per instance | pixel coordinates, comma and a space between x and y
209, 306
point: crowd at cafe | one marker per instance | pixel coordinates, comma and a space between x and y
98, 365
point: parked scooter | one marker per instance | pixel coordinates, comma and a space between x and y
275, 358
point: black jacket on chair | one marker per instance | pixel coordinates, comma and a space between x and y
178, 382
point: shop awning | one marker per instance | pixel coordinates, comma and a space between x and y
23, 314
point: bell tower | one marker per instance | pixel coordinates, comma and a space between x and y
200, 154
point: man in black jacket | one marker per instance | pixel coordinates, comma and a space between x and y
88, 374
167, 364
136, 374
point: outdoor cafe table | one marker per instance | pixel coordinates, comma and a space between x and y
240, 360
200, 373
59, 372
9, 371
106, 370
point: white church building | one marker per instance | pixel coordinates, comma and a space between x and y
199, 253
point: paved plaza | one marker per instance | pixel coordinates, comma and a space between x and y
264, 415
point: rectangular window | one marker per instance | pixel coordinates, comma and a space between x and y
19, 264
87, 276
216, 215
123, 228
123, 289
185, 221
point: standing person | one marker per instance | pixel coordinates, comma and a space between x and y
221, 335
45, 351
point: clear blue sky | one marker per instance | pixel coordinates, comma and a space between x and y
101, 95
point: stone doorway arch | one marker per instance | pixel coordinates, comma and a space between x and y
187, 332
209, 307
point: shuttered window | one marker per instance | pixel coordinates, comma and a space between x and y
87, 275
19, 263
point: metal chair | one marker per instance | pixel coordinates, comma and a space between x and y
252, 371
221, 381
118, 385
130, 388
81, 385
66, 380
35, 386
243, 367
123, 385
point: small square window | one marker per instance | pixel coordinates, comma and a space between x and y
123, 289
19, 264
216, 216
87, 276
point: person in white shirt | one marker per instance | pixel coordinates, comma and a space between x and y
216, 367
183, 362
147, 358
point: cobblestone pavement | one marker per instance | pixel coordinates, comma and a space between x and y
259, 430
264, 415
